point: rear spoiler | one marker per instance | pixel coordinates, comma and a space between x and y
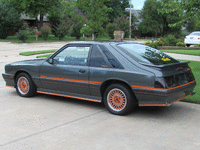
165, 65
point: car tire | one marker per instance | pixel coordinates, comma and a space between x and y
119, 99
188, 45
25, 86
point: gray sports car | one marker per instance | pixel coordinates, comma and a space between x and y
122, 75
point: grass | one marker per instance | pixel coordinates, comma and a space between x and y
195, 66
51, 38
188, 52
37, 52
42, 56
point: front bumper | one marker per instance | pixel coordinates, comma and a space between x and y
149, 96
9, 79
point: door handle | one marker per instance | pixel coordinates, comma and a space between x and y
82, 71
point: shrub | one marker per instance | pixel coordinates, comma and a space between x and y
181, 44
151, 44
169, 40
22, 35
86, 31
32, 30
45, 32
76, 30
110, 28
62, 29
159, 43
123, 24
197, 45
9, 19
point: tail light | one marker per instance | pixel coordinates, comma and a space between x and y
160, 83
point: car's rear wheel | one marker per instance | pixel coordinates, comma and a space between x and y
25, 86
118, 99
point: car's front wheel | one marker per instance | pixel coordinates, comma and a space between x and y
119, 99
25, 86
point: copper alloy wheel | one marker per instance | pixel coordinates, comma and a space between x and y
116, 99
23, 85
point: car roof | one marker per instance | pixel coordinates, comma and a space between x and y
101, 42
195, 32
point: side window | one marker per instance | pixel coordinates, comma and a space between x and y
112, 60
96, 59
73, 56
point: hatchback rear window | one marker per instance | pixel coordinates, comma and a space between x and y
146, 54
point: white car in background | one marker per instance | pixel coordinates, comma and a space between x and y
192, 39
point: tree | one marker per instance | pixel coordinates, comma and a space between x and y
9, 19
58, 14
96, 12
78, 21
36, 7
157, 21
191, 9
193, 24
151, 18
118, 8
123, 24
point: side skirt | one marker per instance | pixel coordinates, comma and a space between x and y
69, 95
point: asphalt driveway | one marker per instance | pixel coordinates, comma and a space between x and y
55, 123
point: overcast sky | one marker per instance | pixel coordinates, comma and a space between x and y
138, 4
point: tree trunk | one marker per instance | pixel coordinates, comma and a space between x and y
41, 21
36, 21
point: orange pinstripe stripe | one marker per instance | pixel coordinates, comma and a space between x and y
10, 86
141, 105
69, 96
146, 87
182, 98
70, 79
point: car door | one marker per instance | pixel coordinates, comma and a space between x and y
67, 71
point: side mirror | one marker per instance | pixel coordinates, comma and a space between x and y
50, 61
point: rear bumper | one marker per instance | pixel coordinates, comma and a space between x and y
192, 42
9, 79
148, 96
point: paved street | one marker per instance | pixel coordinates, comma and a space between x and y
48, 122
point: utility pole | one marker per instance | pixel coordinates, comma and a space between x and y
130, 22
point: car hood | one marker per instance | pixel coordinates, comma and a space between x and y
28, 62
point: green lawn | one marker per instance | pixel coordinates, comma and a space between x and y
37, 52
41, 56
189, 52
195, 66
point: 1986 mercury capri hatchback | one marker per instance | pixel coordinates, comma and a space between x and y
120, 74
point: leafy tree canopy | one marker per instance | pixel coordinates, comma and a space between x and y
156, 21
9, 19
118, 8
96, 12
191, 9
36, 7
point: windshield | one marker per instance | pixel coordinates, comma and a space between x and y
195, 33
146, 54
